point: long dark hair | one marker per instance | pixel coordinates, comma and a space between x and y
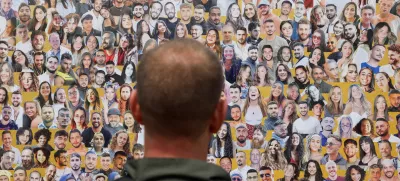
228, 147
21, 131
33, 21
368, 140
136, 125
133, 76
167, 33
40, 98
5, 96
289, 147
121, 29
318, 175
17, 67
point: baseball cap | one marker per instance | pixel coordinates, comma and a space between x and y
263, 2
240, 125
114, 111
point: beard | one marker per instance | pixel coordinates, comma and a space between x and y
256, 144
51, 71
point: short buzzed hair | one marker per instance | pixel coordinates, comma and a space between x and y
159, 95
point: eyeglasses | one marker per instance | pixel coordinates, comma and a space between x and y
265, 175
331, 42
345, 125
236, 179
330, 144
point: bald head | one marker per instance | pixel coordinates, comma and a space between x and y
178, 90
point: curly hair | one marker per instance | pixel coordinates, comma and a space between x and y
355, 167
299, 149
113, 143
228, 147
318, 175
307, 151
357, 128
45, 132
35, 82
276, 162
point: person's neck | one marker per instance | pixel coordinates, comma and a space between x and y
185, 21
47, 123
101, 65
4, 122
351, 19
98, 149
387, 157
305, 42
118, 4
25, 40
88, 31
60, 167
97, 130
227, 42
333, 19
304, 117
326, 133
76, 173
270, 37
253, 102
75, 103
255, 165
156, 147
95, 13
55, 50
333, 156
110, 51
284, 17
386, 137
333, 177
358, 101
366, 24
384, 15
352, 159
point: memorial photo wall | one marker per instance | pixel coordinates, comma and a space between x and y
312, 86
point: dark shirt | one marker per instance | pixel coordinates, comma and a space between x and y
252, 41
10, 126
211, 25
323, 87
251, 63
231, 74
118, 11
171, 26
301, 85
269, 123
117, 78
70, 36
82, 8
172, 169
88, 134
207, 5
93, 32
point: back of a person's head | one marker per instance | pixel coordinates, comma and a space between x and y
178, 88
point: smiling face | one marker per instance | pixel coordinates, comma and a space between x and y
222, 132
312, 168
365, 127
315, 143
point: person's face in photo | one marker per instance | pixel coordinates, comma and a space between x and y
7, 160
394, 57
105, 163
226, 164
330, 12
19, 175
255, 156
35, 176
303, 108
170, 10
83, 81
287, 30
51, 65
96, 120
272, 111
241, 158
38, 61
301, 75
38, 42
91, 161
378, 52
26, 157
138, 11
196, 32
186, 13
119, 162
139, 154
267, 54
198, 14
215, 16
236, 114
350, 150
252, 176
327, 124
227, 33
349, 31
304, 31
76, 140
270, 28
367, 15
298, 52
388, 170
253, 54
234, 94
382, 128
211, 159
155, 10
385, 149
266, 175
24, 14
51, 172
375, 174
125, 93
60, 142
332, 146
331, 44
241, 36
264, 9
109, 69
229, 53
255, 33
75, 163
332, 170
332, 70
63, 119
241, 135
258, 137
281, 130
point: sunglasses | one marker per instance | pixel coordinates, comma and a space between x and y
330, 42
330, 143
265, 175
316, 37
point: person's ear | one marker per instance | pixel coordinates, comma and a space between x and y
219, 116
135, 107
